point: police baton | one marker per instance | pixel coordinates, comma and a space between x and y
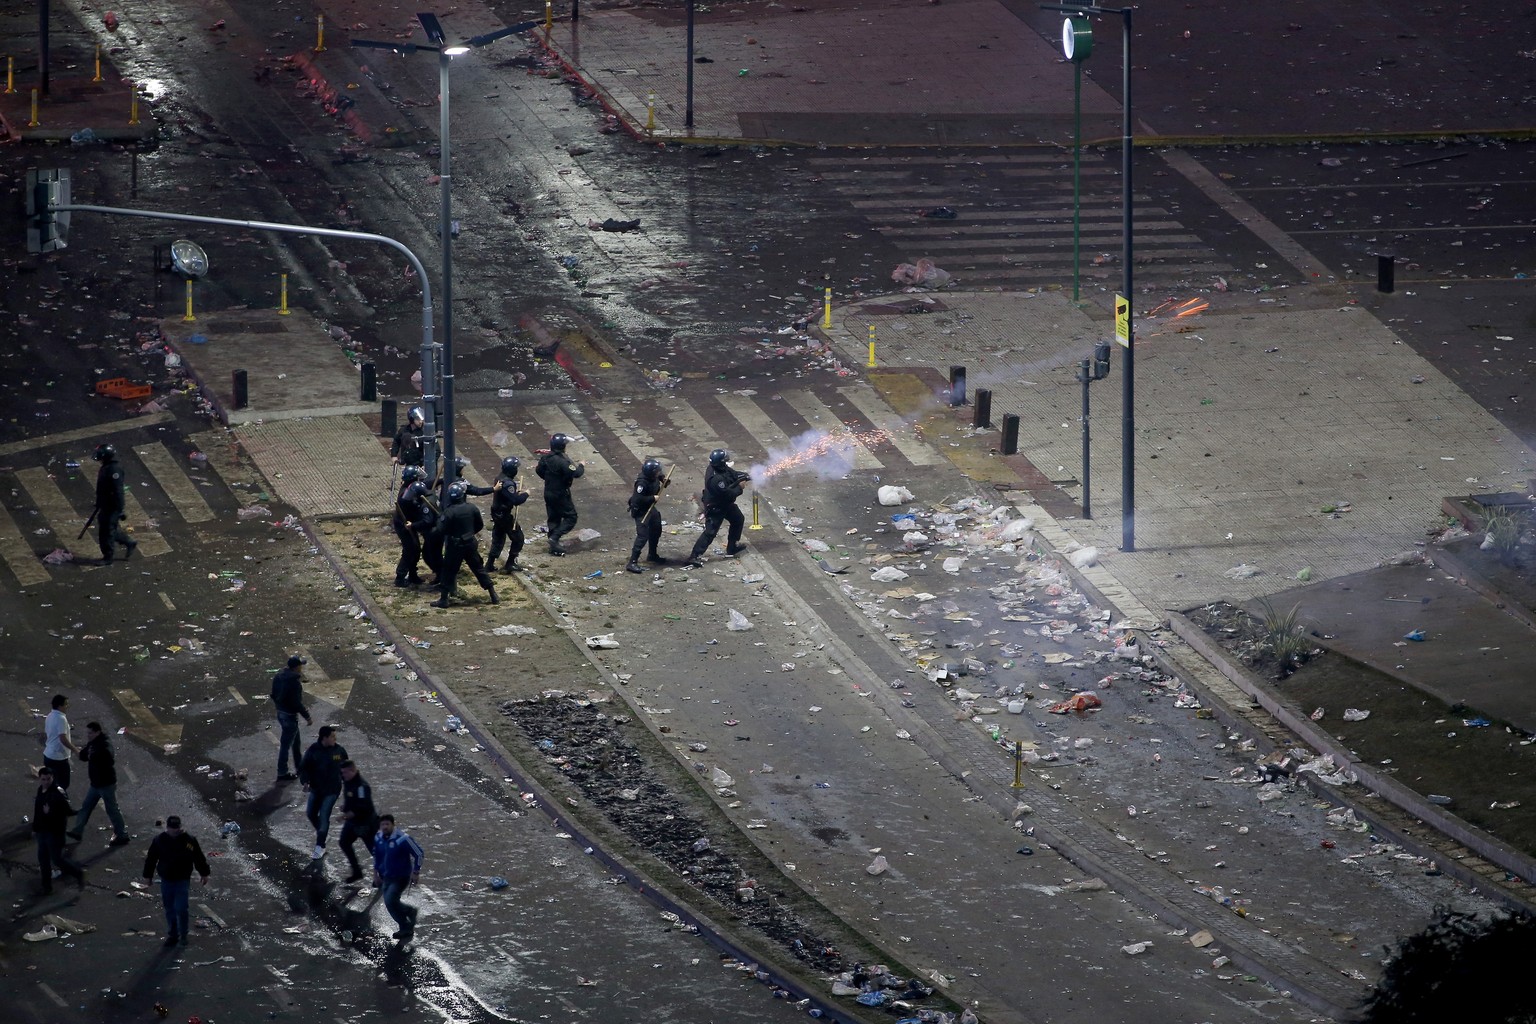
88, 522
656, 498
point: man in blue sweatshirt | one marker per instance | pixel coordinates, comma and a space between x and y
396, 867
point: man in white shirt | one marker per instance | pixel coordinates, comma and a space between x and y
58, 746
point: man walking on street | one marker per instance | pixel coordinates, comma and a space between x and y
101, 770
396, 866
722, 486
320, 771
57, 743
460, 526
176, 854
643, 502
50, 819
111, 505
359, 819
288, 699
506, 496
558, 473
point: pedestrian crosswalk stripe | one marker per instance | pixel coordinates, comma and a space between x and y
58, 513
489, 426
19, 555
758, 424
138, 526
631, 433
91, 434
693, 426
162, 465
598, 472
1026, 226
966, 159
816, 413
896, 429
984, 246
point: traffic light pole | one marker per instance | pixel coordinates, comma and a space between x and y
427, 346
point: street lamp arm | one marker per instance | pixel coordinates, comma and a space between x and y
404, 49
502, 33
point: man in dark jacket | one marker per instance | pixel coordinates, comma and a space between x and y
722, 486
176, 854
461, 524
643, 502
50, 819
288, 699
110, 505
396, 866
408, 449
506, 496
558, 473
414, 516
320, 771
359, 818
101, 769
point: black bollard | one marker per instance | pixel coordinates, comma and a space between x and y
1384, 267
957, 385
370, 383
1010, 434
242, 389
983, 414
389, 415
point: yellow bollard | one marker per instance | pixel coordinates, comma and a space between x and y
189, 317
549, 16
1018, 764
756, 523
320, 35
10, 74
98, 66
282, 308
871, 362
650, 111
826, 312
133, 106
34, 122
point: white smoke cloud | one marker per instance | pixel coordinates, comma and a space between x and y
826, 454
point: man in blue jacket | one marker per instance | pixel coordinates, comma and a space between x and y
396, 866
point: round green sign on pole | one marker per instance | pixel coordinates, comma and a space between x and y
1076, 39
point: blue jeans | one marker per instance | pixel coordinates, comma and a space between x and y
319, 814
288, 740
176, 896
108, 796
390, 892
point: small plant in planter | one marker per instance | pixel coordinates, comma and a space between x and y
1502, 533
1285, 638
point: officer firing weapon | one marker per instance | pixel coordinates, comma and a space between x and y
88, 522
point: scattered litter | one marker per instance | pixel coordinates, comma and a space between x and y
58, 556
878, 866
1084, 701
890, 494
498, 883
613, 225
513, 630
1355, 715
1082, 558
602, 642
1414, 634
922, 274
953, 564
739, 623
1243, 572
720, 779
888, 574
816, 546
1136, 948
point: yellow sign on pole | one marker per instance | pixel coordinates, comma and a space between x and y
1123, 321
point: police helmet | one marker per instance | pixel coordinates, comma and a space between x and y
104, 453
410, 474
416, 415
457, 492
557, 442
719, 457
459, 462
650, 468
511, 464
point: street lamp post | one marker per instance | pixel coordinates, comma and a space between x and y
1125, 328
440, 370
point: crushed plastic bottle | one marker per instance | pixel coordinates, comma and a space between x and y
453, 724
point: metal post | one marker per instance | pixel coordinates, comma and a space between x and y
688, 104
1077, 180
1085, 374
42, 48
981, 418
956, 385
240, 387
445, 229
1010, 434
389, 417
370, 383
1384, 271
1128, 381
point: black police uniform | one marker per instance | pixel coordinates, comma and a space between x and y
644, 508
110, 505
459, 525
413, 521
409, 447
506, 496
722, 486
558, 473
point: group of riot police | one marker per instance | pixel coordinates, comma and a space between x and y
445, 536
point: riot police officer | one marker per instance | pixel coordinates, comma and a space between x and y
409, 449
558, 473
474, 491
643, 508
722, 486
414, 517
460, 524
110, 505
506, 496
